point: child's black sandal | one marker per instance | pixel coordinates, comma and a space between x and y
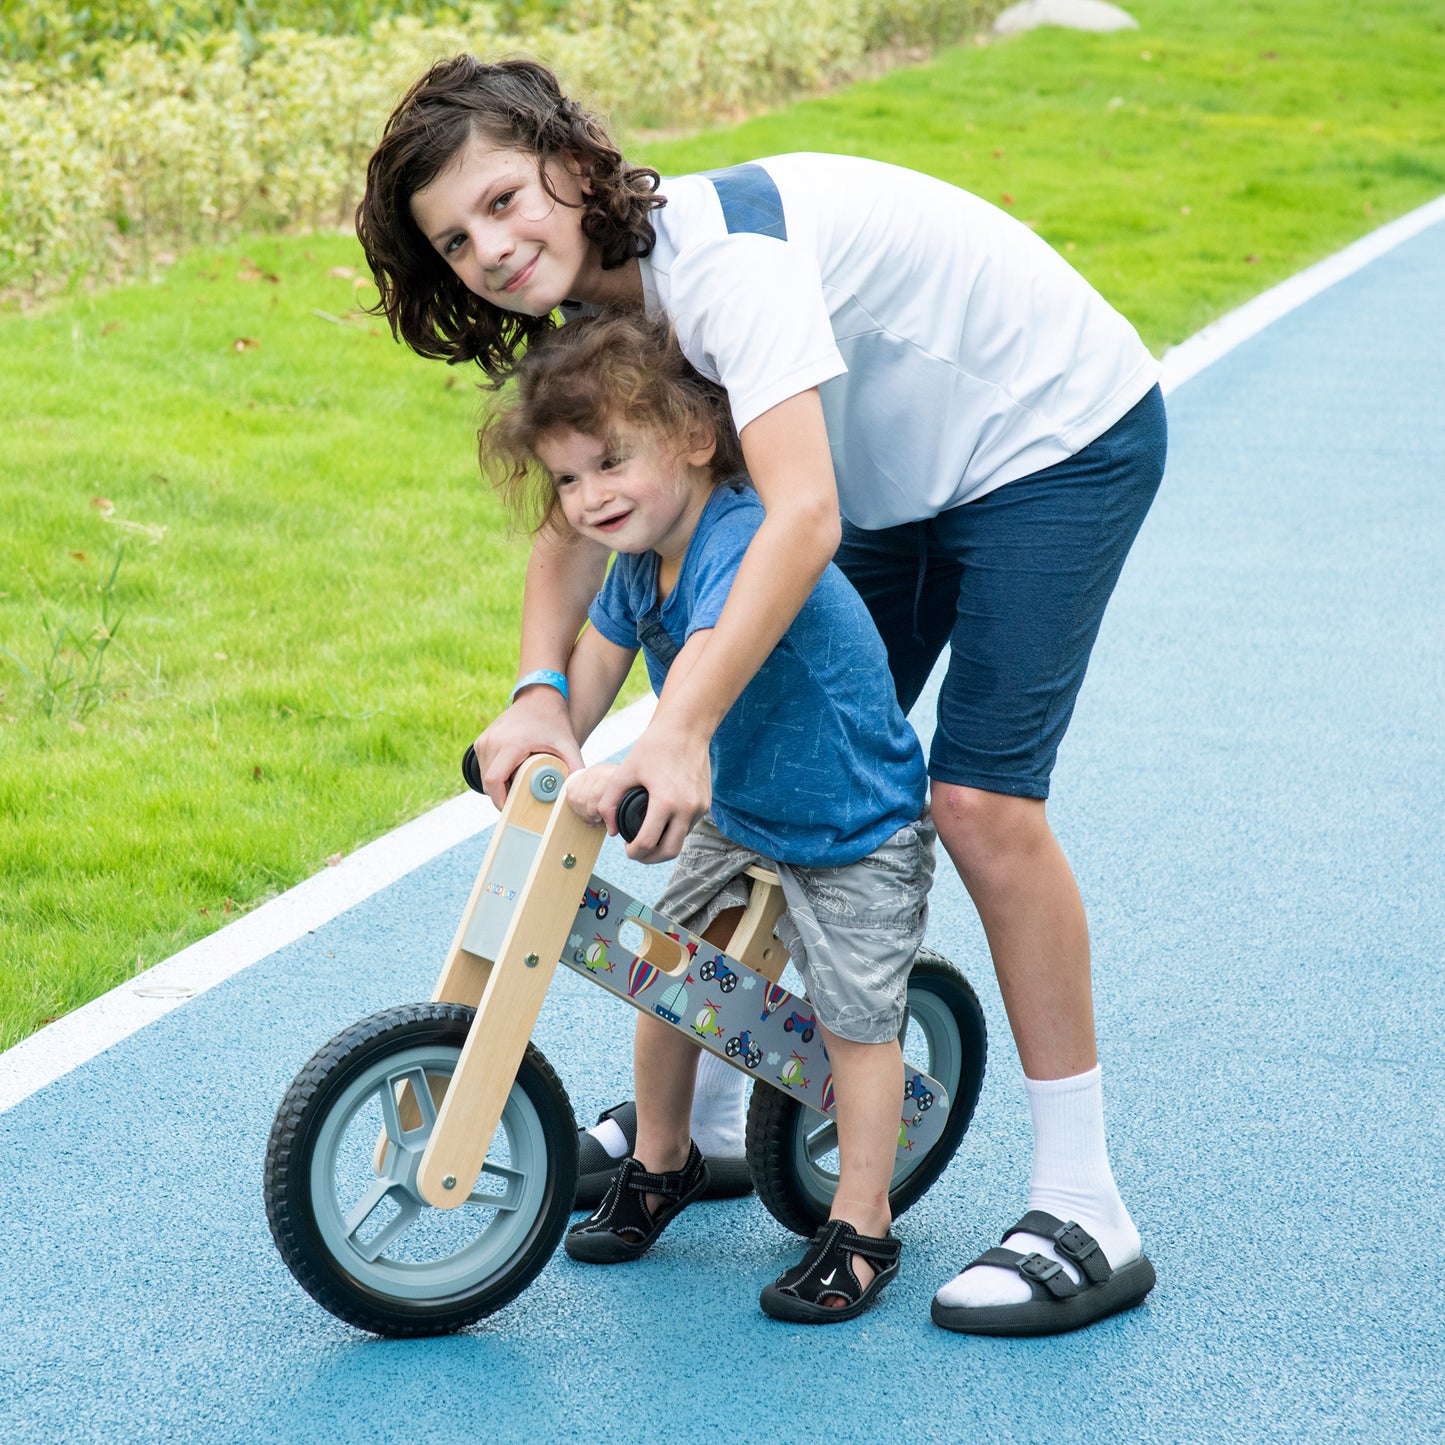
826, 1272
622, 1227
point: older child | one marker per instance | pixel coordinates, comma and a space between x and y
815, 773
993, 433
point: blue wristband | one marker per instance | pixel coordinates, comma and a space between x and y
552, 679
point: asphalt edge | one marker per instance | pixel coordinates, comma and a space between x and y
1205, 347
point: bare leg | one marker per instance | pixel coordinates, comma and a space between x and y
1032, 915
867, 1085
665, 1065
1029, 904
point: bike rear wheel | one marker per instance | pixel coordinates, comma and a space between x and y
792, 1150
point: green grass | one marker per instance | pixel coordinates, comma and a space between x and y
300, 658
330, 611
1183, 167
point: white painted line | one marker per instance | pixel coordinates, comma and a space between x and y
79, 1036
1205, 347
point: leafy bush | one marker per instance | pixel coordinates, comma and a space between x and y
194, 135
56, 34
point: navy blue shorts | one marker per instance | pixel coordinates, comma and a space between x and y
1016, 584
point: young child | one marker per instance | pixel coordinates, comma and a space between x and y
815, 772
993, 434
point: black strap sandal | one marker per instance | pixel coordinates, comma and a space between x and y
826, 1272
1058, 1303
623, 1227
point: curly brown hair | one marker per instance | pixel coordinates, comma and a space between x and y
517, 104
594, 376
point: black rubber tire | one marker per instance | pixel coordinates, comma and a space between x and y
798, 1194
319, 1087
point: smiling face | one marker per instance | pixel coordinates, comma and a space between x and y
631, 492
491, 218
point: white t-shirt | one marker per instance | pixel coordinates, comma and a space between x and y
953, 349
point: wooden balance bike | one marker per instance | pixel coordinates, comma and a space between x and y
421, 1167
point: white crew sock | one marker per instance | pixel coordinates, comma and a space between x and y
608, 1133
717, 1113
718, 1116
1071, 1179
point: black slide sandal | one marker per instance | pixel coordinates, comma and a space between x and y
1058, 1304
596, 1168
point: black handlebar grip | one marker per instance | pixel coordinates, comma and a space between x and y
631, 811
472, 770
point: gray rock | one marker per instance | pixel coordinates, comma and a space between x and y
1071, 14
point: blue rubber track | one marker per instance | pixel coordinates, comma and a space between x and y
1251, 794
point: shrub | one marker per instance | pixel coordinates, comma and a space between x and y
139, 147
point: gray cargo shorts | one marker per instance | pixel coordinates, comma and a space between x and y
853, 932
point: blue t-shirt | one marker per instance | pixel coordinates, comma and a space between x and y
814, 764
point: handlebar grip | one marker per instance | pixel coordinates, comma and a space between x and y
471, 770
631, 812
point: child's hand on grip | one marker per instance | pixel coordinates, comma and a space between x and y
536, 722
675, 770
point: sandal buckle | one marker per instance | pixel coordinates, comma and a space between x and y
1075, 1243
1039, 1267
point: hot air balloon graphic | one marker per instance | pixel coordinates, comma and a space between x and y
773, 997
640, 977
828, 1094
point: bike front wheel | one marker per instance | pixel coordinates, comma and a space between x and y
340, 1179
